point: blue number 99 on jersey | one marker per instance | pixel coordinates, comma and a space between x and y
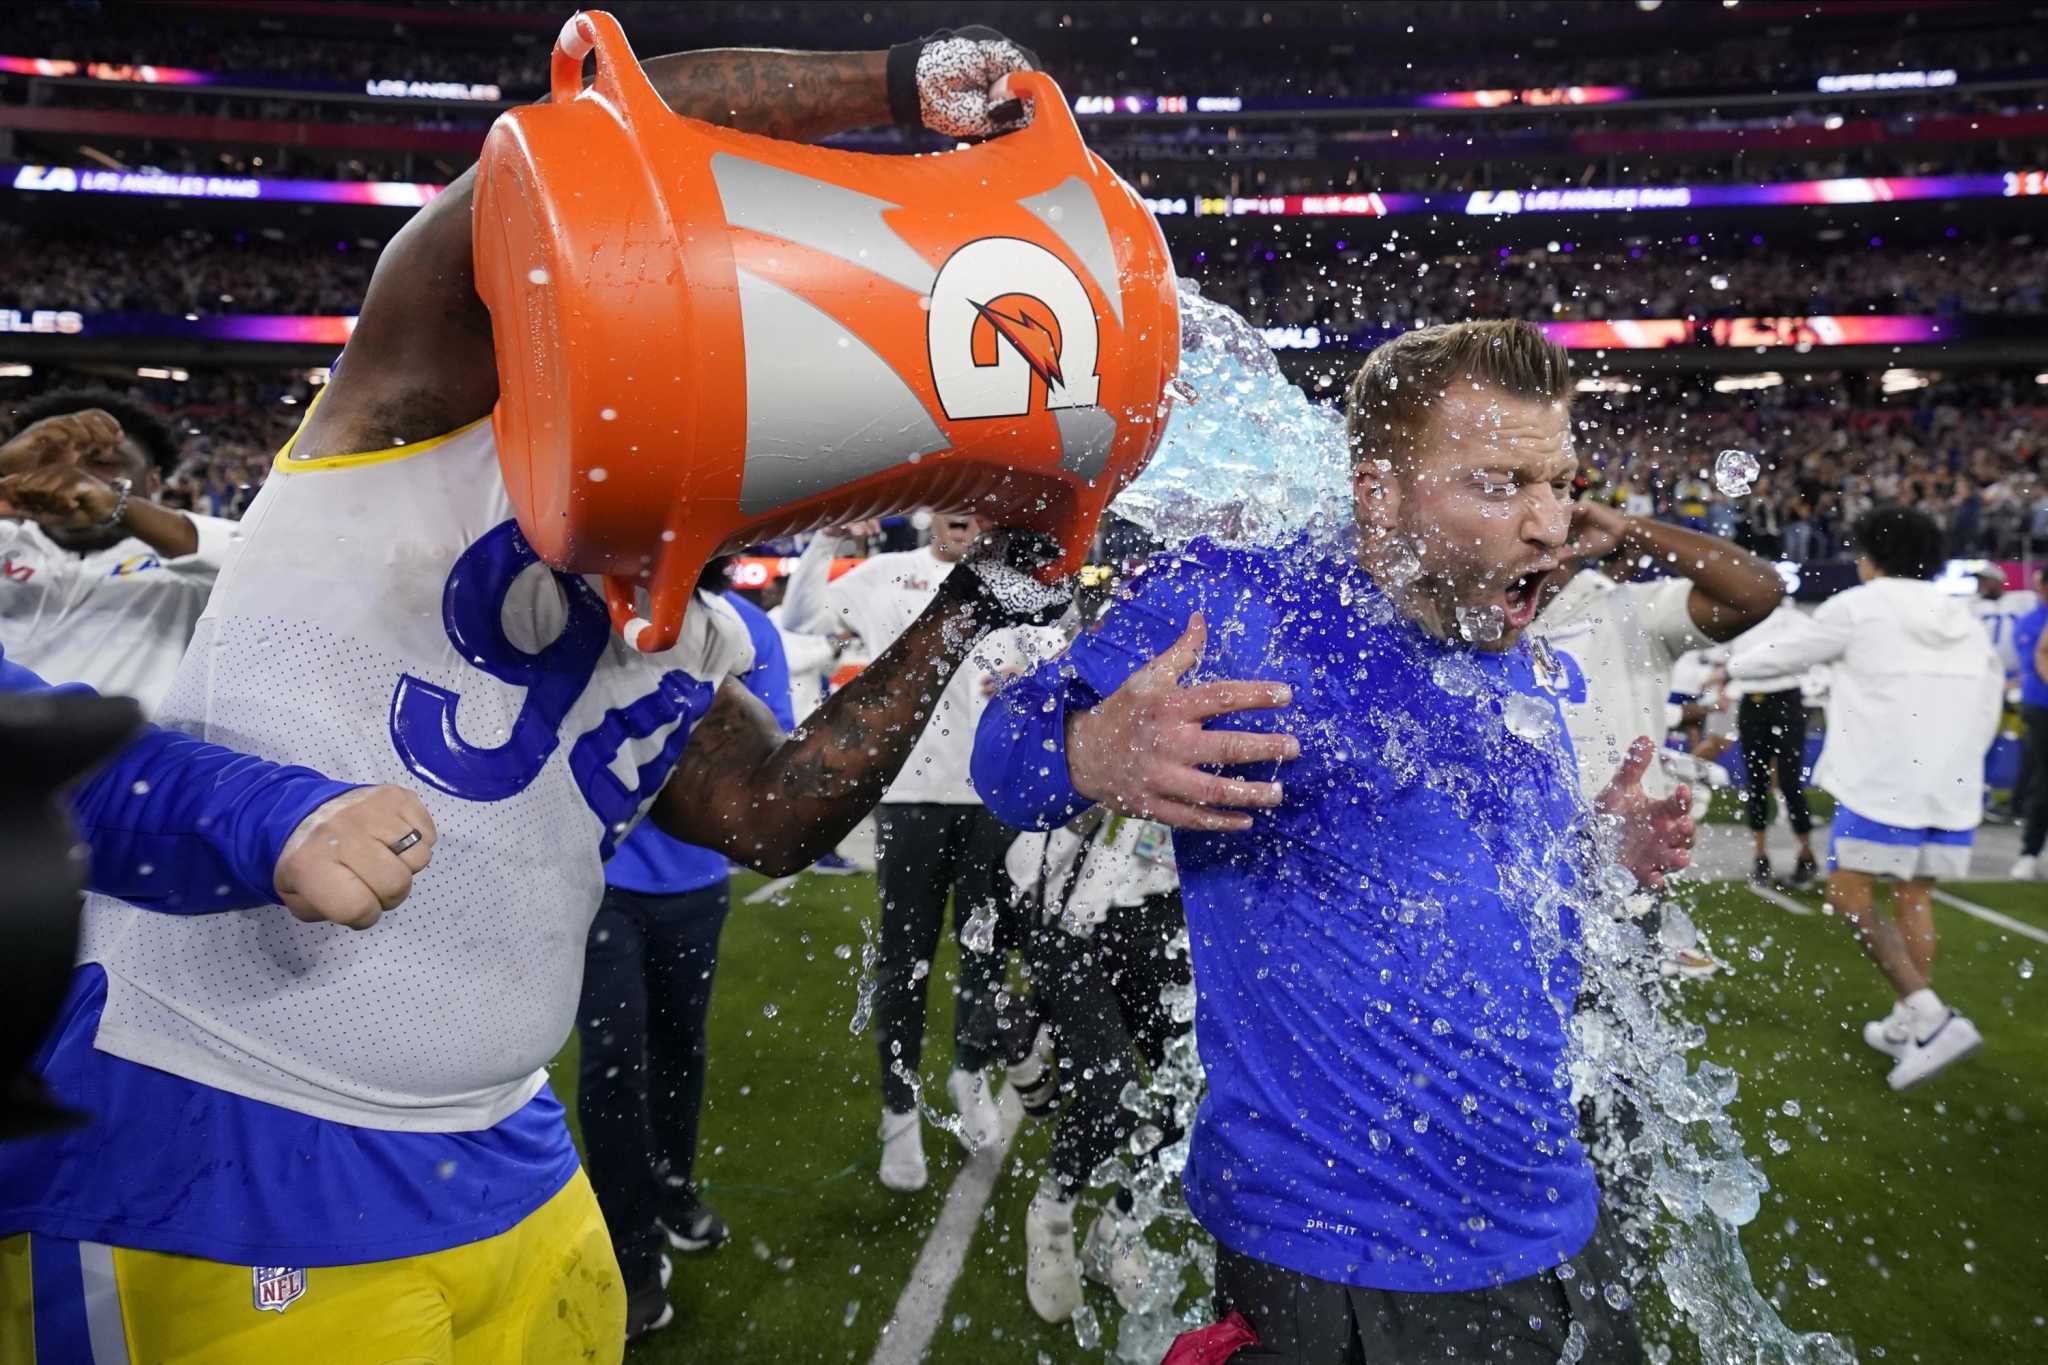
424, 728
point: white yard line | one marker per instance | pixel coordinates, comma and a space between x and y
768, 891
909, 1330
1990, 916
1779, 899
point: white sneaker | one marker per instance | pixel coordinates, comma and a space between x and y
1952, 1040
1891, 1035
903, 1151
1052, 1274
1690, 963
981, 1123
1114, 1254
1036, 1079
2026, 868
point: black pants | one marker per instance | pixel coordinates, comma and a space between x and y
646, 990
1101, 994
923, 852
1772, 729
1307, 1321
2030, 792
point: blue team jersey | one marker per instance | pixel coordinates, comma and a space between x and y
651, 862
2026, 637
1384, 965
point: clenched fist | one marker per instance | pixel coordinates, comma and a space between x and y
339, 866
62, 497
953, 82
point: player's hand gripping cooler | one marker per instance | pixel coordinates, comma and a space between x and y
706, 338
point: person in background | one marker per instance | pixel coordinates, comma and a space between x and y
647, 975
1623, 639
2001, 612
98, 583
1620, 641
1770, 725
934, 840
1912, 708
2030, 792
813, 655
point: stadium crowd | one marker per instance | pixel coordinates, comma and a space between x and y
515, 57
1349, 286
1341, 285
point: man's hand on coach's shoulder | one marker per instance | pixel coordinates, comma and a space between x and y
339, 867
1144, 751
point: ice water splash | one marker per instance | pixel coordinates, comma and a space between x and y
1482, 625
1735, 473
978, 934
1246, 458
1674, 1176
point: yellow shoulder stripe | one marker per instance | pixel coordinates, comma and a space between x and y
285, 464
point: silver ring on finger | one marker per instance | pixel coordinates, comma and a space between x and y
412, 837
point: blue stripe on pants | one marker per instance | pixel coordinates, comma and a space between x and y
62, 1337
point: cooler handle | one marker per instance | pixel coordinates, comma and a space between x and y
619, 78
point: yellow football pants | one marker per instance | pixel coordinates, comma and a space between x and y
546, 1292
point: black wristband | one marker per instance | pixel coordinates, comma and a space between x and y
901, 77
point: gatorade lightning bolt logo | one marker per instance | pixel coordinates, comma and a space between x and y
1037, 342
1010, 329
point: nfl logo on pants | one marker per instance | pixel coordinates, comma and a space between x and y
277, 1287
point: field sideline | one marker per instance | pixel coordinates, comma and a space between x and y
1917, 1226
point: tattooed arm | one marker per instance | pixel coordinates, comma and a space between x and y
420, 361
779, 803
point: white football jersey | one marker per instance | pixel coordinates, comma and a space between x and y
385, 622
115, 619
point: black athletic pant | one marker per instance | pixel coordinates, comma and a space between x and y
1101, 994
647, 974
925, 851
1772, 729
2030, 794
1302, 1320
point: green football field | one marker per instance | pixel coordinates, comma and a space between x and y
1916, 1226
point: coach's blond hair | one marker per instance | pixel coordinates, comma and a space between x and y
1394, 391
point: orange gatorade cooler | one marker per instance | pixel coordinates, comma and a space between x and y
706, 338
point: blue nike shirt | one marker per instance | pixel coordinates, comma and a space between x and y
1385, 965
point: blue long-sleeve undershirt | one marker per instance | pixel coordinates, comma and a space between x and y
177, 825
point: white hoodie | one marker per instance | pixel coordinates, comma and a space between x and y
1914, 705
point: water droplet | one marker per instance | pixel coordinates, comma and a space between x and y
536, 276
2026, 969
771, 1009
599, 474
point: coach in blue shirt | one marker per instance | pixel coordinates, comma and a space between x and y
647, 972
1385, 954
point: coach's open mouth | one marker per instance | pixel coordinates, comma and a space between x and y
1525, 596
